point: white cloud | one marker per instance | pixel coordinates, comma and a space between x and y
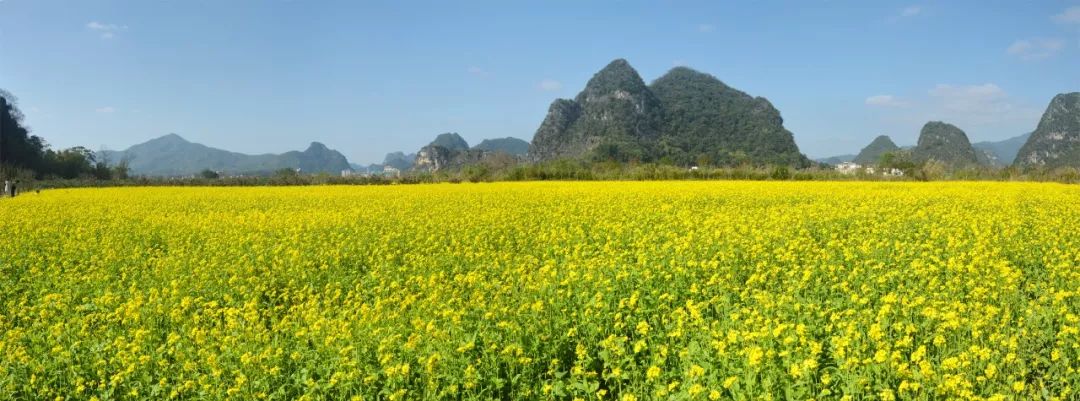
1071, 15
704, 28
107, 31
885, 101
106, 109
474, 70
910, 11
977, 105
678, 63
549, 85
1035, 49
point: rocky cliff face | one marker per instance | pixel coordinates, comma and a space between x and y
615, 116
554, 138
1056, 141
433, 158
945, 143
871, 154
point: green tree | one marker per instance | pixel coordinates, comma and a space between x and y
209, 174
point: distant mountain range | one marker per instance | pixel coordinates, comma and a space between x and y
1003, 152
172, 155
684, 117
872, 152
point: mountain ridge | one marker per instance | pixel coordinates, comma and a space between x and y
172, 155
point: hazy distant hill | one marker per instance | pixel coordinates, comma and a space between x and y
1056, 141
509, 145
172, 155
1004, 151
399, 160
834, 160
684, 116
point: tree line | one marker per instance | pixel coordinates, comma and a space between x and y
28, 156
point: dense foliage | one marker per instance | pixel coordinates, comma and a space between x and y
710, 123
451, 141
26, 156
1056, 141
685, 117
752, 290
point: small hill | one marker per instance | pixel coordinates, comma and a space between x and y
1056, 141
451, 141
871, 154
172, 155
945, 143
508, 145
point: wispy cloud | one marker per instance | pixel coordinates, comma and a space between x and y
1035, 49
968, 97
107, 31
1071, 15
911, 11
885, 101
977, 105
105, 110
549, 85
706, 28
477, 71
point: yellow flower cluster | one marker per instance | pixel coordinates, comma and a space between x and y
593, 290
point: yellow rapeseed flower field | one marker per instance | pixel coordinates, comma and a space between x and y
562, 291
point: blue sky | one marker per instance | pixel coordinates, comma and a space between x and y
368, 78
